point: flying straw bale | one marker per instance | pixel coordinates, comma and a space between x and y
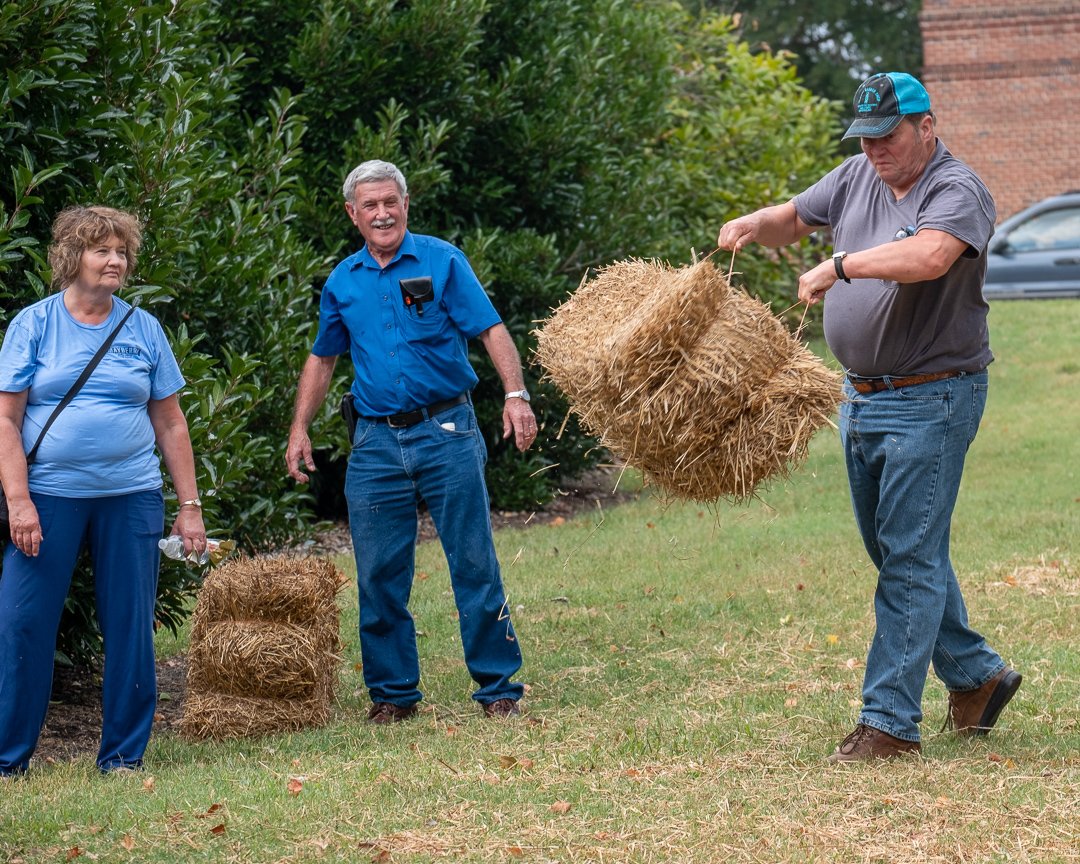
264, 648
693, 382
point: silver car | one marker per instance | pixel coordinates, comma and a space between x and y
1036, 253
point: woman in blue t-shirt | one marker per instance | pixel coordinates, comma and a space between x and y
95, 483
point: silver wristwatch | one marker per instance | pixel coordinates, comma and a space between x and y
519, 394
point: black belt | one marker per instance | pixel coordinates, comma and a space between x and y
876, 385
411, 418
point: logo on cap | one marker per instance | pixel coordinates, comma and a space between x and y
870, 100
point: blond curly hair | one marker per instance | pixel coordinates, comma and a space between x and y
78, 228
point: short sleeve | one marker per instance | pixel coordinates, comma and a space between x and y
465, 300
332, 339
165, 376
18, 358
962, 207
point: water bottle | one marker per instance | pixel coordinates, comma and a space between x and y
214, 553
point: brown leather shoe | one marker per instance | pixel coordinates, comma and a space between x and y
502, 708
974, 712
866, 742
384, 713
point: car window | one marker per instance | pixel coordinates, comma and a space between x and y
1054, 229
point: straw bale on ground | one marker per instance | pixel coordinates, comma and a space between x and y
266, 659
264, 648
693, 382
222, 716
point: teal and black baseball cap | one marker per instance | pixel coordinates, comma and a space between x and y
881, 102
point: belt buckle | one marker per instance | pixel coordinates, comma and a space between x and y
402, 424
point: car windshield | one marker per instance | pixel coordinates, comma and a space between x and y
1055, 229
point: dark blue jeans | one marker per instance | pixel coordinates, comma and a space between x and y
905, 453
440, 460
122, 532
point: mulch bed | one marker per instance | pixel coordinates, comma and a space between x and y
73, 724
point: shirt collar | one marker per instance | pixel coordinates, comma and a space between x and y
364, 258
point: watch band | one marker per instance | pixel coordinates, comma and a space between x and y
838, 265
192, 502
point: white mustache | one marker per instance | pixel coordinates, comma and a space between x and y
384, 223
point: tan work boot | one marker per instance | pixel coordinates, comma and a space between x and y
974, 712
866, 743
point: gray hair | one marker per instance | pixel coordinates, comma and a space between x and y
373, 171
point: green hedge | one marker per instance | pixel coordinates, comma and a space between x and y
545, 139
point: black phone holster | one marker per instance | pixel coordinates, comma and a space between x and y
348, 412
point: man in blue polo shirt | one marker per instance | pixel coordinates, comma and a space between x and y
404, 307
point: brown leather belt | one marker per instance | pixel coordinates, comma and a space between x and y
876, 385
411, 418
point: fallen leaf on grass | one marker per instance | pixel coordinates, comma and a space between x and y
560, 807
832, 639
516, 851
295, 785
218, 830
73, 853
127, 842
210, 811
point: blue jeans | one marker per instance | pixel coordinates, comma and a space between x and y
905, 454
390, 471
122, 532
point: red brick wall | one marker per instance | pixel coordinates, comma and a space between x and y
1004, 81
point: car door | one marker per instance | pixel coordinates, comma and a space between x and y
1038, 257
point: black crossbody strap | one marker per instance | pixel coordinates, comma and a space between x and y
77, 386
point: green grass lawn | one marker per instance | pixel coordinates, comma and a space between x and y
689, 668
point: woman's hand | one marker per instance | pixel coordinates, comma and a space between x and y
189, 526
25, 526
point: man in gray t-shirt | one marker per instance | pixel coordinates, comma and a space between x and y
905, 316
